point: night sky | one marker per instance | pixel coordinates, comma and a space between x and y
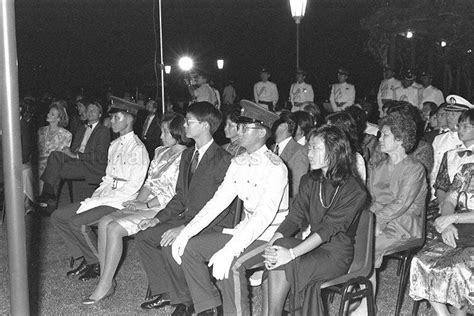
67, 45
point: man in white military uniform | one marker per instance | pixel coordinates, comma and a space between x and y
409, 91
387, 87
265, 92
342, 93
259, 178
450, 140
300, 92
429, 93
126, 170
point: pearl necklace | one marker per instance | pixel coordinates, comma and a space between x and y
321, 198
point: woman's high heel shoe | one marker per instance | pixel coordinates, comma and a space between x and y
110, 292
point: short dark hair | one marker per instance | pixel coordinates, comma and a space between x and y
206, 112
285, 117
317, 112
341, 164
176, 127
403, 128
360, 118
410, 111
233, 115
346, 123
433, 107
467, 116
304, 120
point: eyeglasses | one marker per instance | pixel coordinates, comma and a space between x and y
464, 126
245, 127
187, 121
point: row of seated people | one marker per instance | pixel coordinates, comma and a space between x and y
398, 192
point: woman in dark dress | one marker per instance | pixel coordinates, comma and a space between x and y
329, 198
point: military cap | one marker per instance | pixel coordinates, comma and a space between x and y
264, 70
343, 71
301, 71
254, 113
121, 105
387, 67
409, 75
425, 74
457, 103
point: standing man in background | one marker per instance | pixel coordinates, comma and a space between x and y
342, 93
265, 92
387, 87
300, 91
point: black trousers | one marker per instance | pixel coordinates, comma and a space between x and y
61, 166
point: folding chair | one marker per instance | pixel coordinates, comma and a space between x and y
348, 285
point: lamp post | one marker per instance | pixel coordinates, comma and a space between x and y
298, 8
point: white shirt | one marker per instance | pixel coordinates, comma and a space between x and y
229, 94
431, 94
126, 170
441, 144
202, 150
265, 91
302, 141
260, 180
301, 92
205, 93
342, 92
281, 145
86, 137
386, 91
410, 94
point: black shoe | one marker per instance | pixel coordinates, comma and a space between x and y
156, 302
215, 311
92, 272
80, 269
183, 310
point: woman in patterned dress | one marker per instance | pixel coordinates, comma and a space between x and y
157, 191
54, 136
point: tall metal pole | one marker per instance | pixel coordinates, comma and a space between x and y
297, 44
12, 164
162, 65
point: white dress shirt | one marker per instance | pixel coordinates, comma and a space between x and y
431, 94
386, 91
410, 94
265, 91
86, 137
301, 92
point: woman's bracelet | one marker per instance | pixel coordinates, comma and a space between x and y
292, 254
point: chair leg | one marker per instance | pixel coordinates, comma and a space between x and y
403, 282
416, 307
71, 193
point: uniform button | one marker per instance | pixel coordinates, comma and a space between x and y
248, 181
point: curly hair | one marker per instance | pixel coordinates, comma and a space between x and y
403, 128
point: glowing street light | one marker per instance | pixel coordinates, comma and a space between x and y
168, 69
443, 43
469, 51
220, 64
409, 34
298, 9
185, 63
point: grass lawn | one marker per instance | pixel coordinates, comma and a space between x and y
52, 293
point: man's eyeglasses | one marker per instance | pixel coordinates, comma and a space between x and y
187, 121
464, 126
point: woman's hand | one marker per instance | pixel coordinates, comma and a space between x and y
134, 205
444, 221
276, 256
449, 235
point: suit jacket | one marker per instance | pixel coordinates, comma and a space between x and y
190, 199
95, 153
152, 138
295, 157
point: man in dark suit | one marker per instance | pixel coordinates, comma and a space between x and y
151, 131
201, 171
293, 154
85, 159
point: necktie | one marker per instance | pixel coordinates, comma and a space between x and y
277, 150
89, 125
194, 164
145, 126
465, 152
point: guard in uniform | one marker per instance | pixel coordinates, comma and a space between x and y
409, 91
429, 93
300, 92
126, 170
342, 93
259, 178
387, 87
265, 92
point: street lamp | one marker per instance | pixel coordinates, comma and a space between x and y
409, 34
168, 69
220, 64
185, 63
298, 8
443, 44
